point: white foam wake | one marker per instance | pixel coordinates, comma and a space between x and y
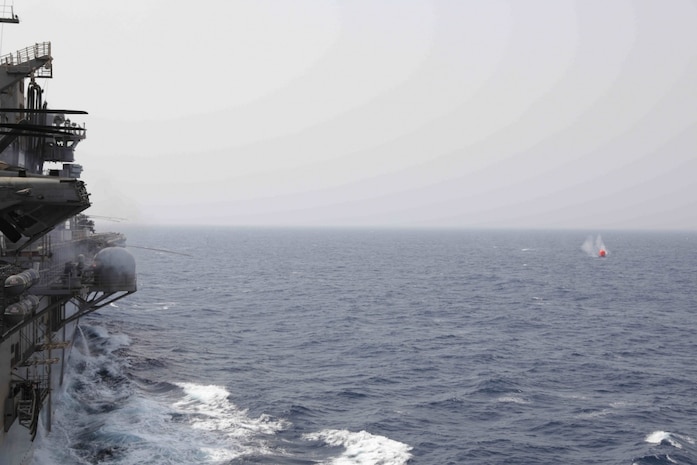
214, 412
198, 425
363, 448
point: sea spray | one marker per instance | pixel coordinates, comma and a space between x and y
594, 247
363, 448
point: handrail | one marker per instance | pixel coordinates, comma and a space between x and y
40, 50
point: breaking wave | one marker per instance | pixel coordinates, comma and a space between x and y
107, 415
363, 448
668, 448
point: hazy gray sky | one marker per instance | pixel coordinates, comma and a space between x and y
519, 113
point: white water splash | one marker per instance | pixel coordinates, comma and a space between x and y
657, 437
194, 424
363, 448
214, 412
593, 246
85, 346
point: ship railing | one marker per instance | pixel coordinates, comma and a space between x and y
67, 275
61, 279
68, 279
40, 50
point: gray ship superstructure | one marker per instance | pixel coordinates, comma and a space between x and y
54, 268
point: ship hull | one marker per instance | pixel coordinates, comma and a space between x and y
17, 444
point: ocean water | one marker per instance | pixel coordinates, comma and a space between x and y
390, 347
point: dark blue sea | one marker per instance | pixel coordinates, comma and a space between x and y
390, 347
